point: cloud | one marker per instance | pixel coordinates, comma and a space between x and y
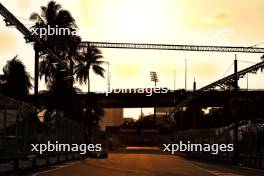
24, 4
204, 70
221, 16
127, 70
217, 19
8, 42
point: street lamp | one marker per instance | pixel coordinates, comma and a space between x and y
174, 80
154, 77
108, 77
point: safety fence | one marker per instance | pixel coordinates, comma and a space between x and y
250, 143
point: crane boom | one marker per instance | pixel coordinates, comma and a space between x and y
11, 20
225, 80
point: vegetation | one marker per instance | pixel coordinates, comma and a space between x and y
16, 80
92, 59
54, 16
59, 84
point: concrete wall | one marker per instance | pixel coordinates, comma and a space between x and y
162, 110
112, 117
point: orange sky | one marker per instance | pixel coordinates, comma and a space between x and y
154, 21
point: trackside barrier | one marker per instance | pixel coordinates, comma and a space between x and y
32, 162
225, 159
252, 161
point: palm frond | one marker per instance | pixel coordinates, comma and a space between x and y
98, 70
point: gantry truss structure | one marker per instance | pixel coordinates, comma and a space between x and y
173, 47
11, 20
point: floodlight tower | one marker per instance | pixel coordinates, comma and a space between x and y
154, 77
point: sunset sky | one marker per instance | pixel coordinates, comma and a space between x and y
153, 21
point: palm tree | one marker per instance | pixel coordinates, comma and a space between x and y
54, 16
59, 85
16, 80
92, 59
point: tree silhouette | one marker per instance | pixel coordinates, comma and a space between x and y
92, 114
92, 59
54, 16
59, 84
16, 80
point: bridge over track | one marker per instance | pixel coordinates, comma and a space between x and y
137, 100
